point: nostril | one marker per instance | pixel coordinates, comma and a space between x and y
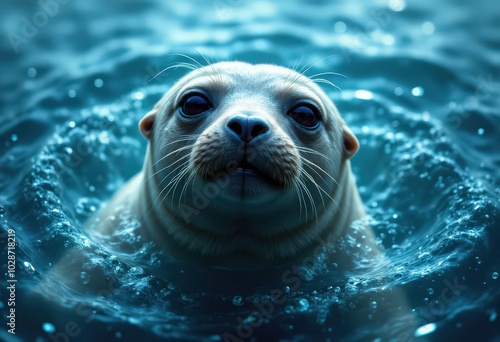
235, 126
246, 128
258, 129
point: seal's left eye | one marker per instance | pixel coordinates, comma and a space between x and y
195, 104
305, 116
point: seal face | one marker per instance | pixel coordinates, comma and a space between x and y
246, 163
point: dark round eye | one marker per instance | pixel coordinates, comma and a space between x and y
305, 116
195, 104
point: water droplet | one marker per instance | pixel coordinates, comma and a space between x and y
494, 275
31, 72
425, 329
85, 277
72, 93
28, 267
428, 28
49, 328
417, 91
480, 131
71, 124
98, 83
14, 137
237, 300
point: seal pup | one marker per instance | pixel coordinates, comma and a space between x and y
247, 165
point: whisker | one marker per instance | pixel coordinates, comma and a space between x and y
172, 180
327, 73
319, 168
310, 150
325, 81
183, 148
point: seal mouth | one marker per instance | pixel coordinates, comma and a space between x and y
245, 168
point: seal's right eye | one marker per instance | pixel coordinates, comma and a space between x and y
195, 104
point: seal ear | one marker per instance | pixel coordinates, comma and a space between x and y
351, 144
146, 124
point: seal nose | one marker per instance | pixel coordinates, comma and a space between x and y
246, 128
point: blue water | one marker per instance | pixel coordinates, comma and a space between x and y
421, 92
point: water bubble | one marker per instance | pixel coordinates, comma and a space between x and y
31, 72
428, 28
373, 305
425, 329
340, 27
398, 91
136, 270
187, 298
72, 124
85, 277
417, 91
98, 82
397, 5
68, 150
118, 334
430, 291
72, 93
363, 94
237, 300
288, 309
494, 275
480, 131
139, 95
493, 315
302, 305
28, 267
49, 328
1, 305
215, 338
14, 137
